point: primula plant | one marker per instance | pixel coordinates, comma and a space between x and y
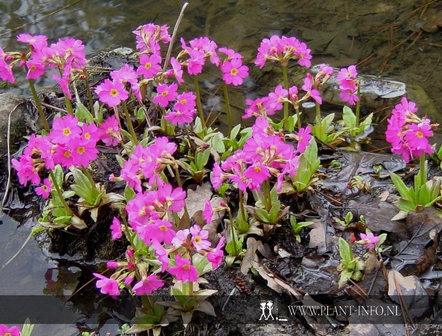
408, 135
151, 113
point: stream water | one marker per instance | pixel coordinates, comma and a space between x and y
400, 40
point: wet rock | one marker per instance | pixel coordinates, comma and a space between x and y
9, 102
376, 92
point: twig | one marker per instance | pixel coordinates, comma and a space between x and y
54, 107
19, 250
415, 40
172, 39
8, 136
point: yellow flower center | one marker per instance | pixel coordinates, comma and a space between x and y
163, 228
257, 169
164, 93
66, 131
147, 65
234, 71
67, 154
183, 101
81, 150
87, 136
197, 239
114, 92
419, 134
32, 67
186, 267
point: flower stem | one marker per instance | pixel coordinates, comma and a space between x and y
358, 104
89, 92
298, 118
68, 104
60, 196
286, 87
129, 123
198, 102
229, 111
241, 206
266, 190
38, 105
318, 112
422, 170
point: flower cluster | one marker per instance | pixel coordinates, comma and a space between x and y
265, 154
148, 163
66, 55
176, 253
348, 84
407, 133
69, 143
282, 49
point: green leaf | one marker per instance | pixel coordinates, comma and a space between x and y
217, 143
348, 217
366, 123
291, 122
37, 229
234, 132
263, 215
308, 164
345, 275
83, 114
120, 160
345, 252
403, 190
349, 117
59, 176
274, 212
202, 158
129, 193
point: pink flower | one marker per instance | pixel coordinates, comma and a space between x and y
147, 285
166, 94
65, 129
35, 41
12, 331
185, 101
116, 229
282, 49
149, 36
234, 71
215, 256
369, 239
180, 237
208, 212
36, 68
348, 84
304, 137
109, 131
5, 69
83, 152
111, 93
407, 133
199, 238
184, 270
257, 173
45, 189
107, 285
308, 87
177, 70
217, 176
417, 135
112, 264
159, 230
149, 65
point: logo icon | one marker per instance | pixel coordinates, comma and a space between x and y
266, 306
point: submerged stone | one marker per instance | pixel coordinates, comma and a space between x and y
376, 92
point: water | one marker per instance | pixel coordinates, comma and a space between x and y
338, 32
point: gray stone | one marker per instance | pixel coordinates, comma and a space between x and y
9, 102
